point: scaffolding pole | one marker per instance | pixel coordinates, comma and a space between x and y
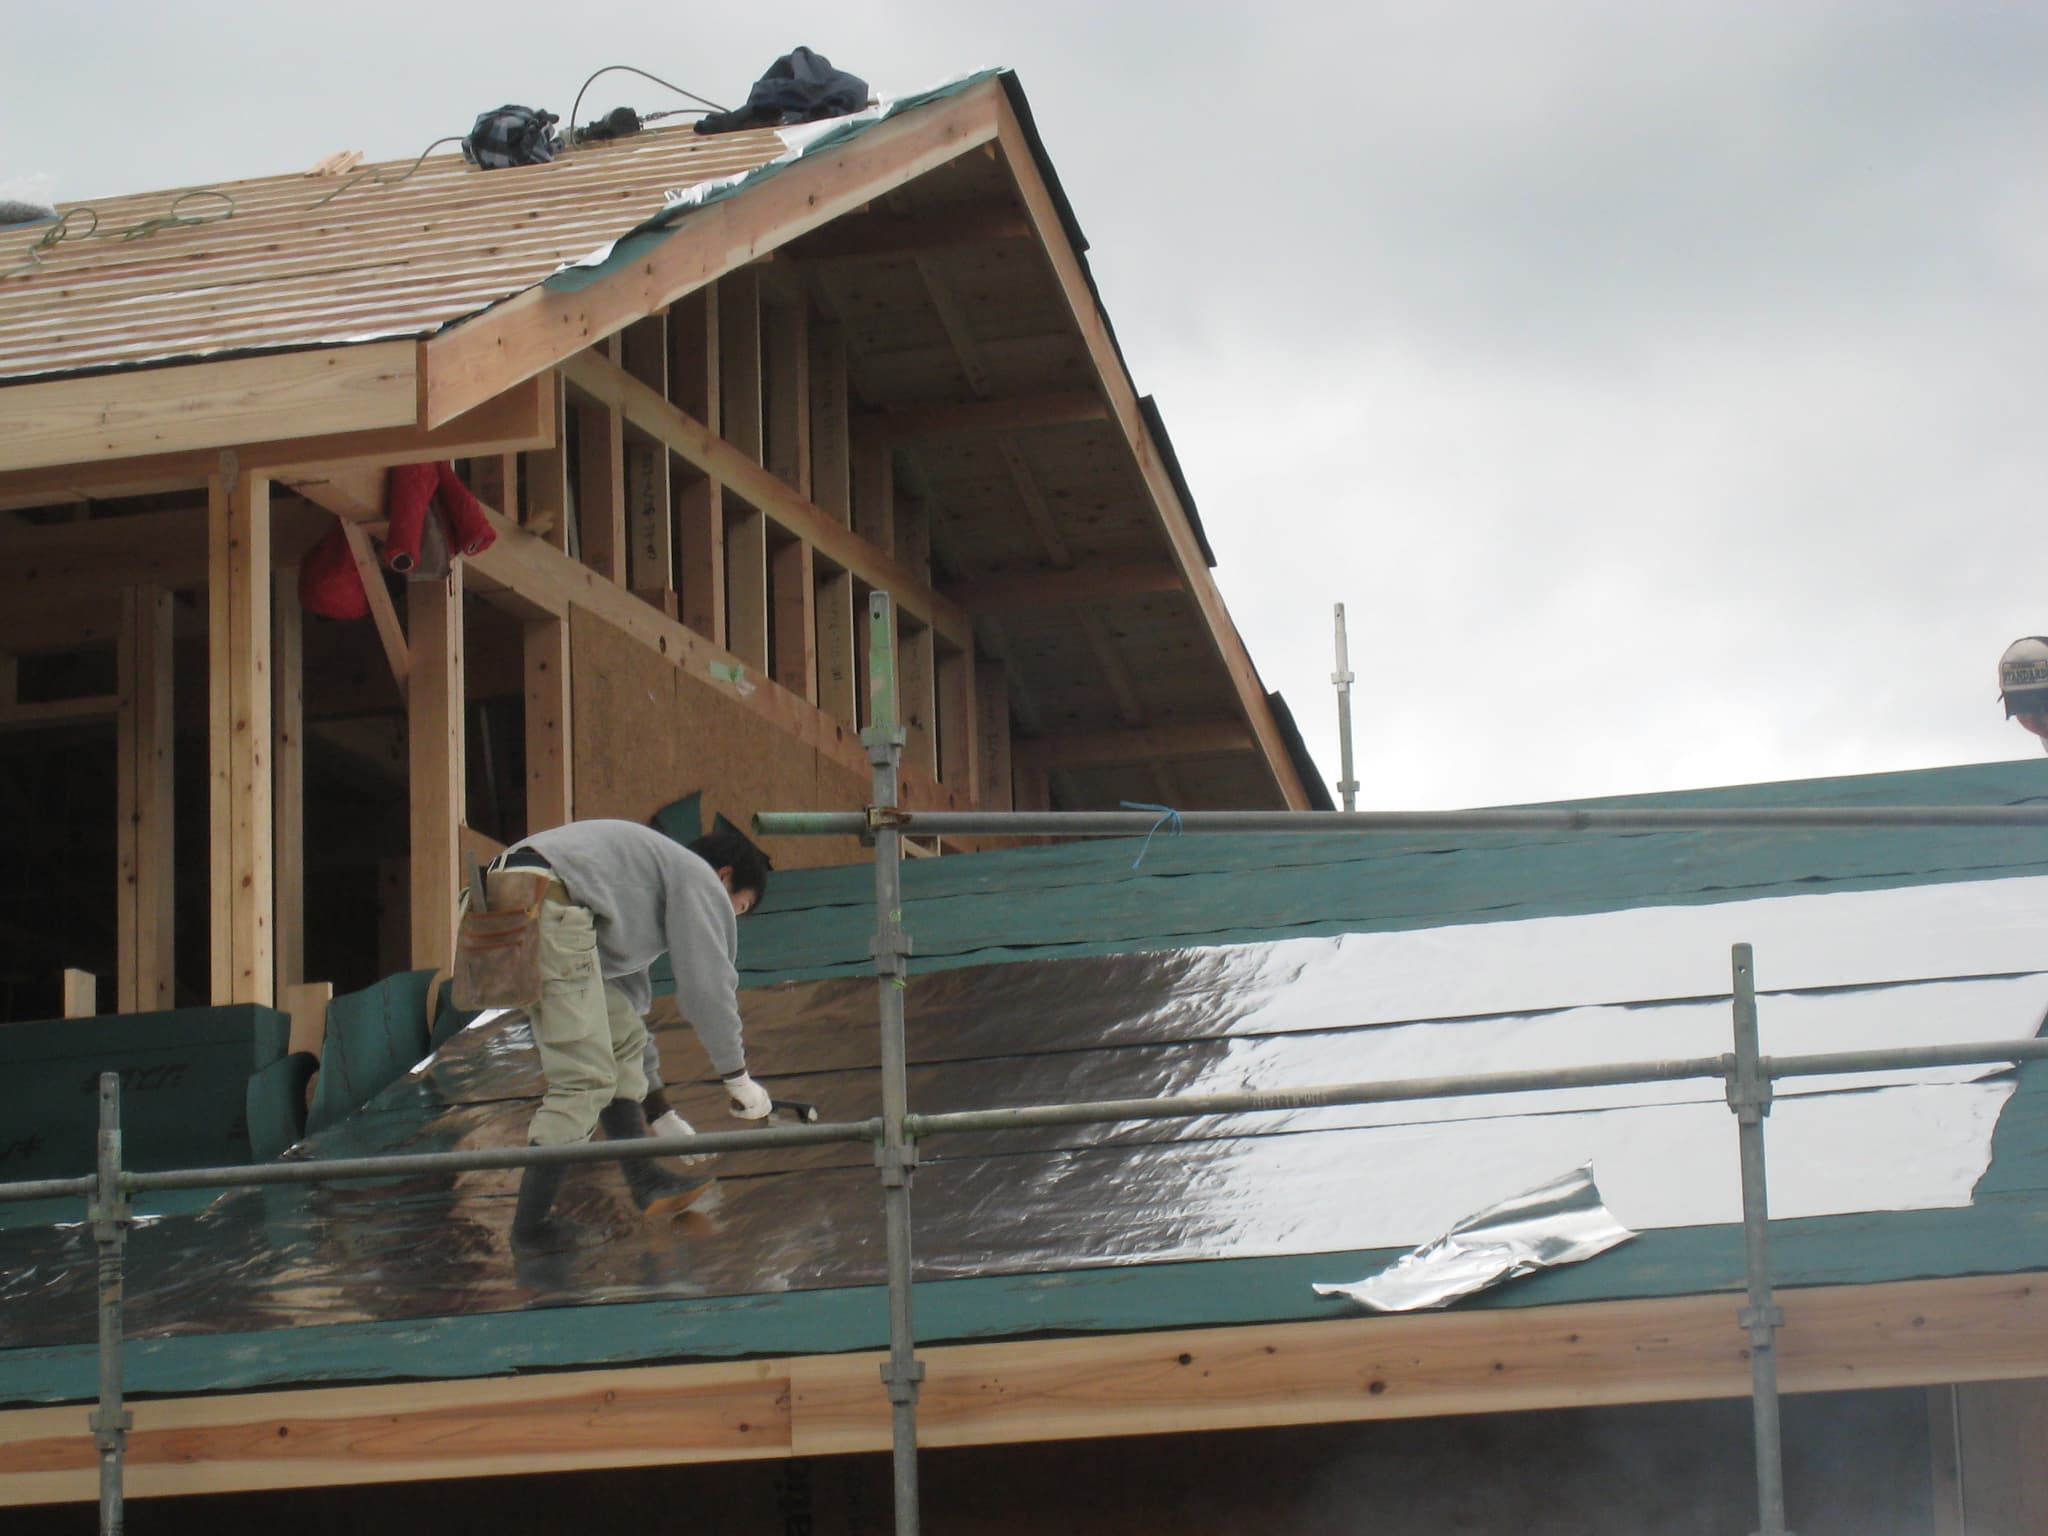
110, 1214
897, 1152
1323, 823
1347, 785
1749, 1096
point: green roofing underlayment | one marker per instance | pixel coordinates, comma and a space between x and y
1086, 898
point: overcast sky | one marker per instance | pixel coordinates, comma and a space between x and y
1658, 385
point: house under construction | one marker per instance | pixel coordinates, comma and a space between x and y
711, 393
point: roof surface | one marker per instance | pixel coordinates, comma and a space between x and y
1073, 1231
310, 261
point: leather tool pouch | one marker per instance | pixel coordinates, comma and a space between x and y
497, 953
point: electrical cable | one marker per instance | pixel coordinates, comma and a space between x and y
141, 229
707, 104
377, 177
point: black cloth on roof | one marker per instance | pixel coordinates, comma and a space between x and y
800, 87
511, 136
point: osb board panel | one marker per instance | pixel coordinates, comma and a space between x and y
892, 373
1003, 291
647, 733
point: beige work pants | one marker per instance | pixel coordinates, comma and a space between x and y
590, 1038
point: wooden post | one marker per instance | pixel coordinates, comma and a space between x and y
494, 481
81, 994
650, 523
549, 795
434, 720
146, 905
837, 632
693, 376
307, 1002
239, 735
746, 530
601, 490
992, 729
959, 741
786, 391
288, 774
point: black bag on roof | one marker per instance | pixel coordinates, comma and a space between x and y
511, 136
799, 87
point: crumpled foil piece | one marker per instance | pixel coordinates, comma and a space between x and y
1560, 1222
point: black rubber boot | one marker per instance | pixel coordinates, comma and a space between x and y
534, 1228
655, 1190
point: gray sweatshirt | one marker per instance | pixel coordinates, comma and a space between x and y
648, 894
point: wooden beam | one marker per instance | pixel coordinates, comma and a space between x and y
871, 235
1108, 749
146, 904
848, 549
307, 1003
650, 518
1034, 590
1342, 1370
434, 735
288, 775
949, 417
212, 405
521, 417
550, 798
383, 612
794, 586
1024, 476
239, 739
81, 994
15, 716
992, 731
601, 489
543, 325
700, 507
1078, 296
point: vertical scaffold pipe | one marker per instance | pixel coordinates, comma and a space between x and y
1347, 784
110, 1215
897, 1154
1749, 1095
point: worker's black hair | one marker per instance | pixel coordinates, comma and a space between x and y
727, 847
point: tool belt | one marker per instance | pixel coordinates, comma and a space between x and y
497, 952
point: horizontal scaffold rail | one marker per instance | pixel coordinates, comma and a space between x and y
1138, 823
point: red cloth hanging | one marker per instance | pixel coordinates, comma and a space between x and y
330, 584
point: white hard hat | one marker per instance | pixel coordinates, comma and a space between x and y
2023, 676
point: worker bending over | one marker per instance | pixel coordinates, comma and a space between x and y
620, 895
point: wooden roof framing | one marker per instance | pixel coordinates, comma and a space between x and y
408, 319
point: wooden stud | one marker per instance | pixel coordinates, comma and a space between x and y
545, 475
81, 994
146, 908
786, 391
796, 620
288, 774
739, 362
838, 643
434, 733
752, 485
831, 444
992, 732
746, 584
959, 737
650, 520
307, 1003
550, 799
601, 489
917, 698
874, 486
494, 481
700, 505
1030, 787
238, 706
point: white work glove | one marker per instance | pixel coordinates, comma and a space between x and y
673, 1124
749, 1098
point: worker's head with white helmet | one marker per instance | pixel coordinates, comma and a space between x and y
2023, 684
